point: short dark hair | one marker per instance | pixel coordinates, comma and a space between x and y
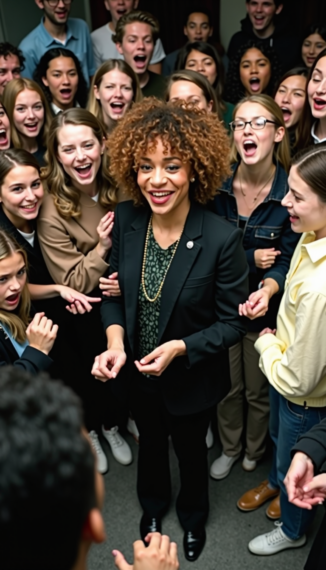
47, 467
198, 9
43, 65
131, 18
276, 2
315, 28
8, 49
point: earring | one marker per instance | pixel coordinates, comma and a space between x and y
192, 179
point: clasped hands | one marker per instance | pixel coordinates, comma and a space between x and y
108, 364
303, 488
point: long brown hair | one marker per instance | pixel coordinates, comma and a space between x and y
17, 322
66, 196
13, 157
10, 94
281, 151
94, 105
311, 167
199, 80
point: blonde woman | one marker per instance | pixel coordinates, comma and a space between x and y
23, 342
74, 231
115, 87
29, 116
251, 200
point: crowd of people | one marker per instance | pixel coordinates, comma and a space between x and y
162, 227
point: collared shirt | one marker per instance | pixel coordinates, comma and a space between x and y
294, 360
316, 139
56, 110
104, 47
78, 40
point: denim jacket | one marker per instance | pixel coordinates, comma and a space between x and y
268, 226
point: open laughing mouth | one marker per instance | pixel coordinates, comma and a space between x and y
160, 196
13, 299
83, 171
254, 84
32, 127
249, 147
117, 107
3, 137
140, 61
286, 114
65, 93
319, 104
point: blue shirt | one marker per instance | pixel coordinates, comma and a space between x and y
78, 40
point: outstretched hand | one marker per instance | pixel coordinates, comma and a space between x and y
161, 554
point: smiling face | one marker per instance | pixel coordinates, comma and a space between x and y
202, 63
21, 195
198, 28
256, 146
307, 212
28, 115
115, 93
4, 129
317, 90
164, 180
56, 15
12, 281
137, 46
119, 8
261, 14
9, 69
291, 96
191, 93
62, 80
255, 71
80, 154
311, 47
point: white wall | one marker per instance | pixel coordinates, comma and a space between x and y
231, 12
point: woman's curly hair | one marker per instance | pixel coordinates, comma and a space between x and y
234, 90
196, 136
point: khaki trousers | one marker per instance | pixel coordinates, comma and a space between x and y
248, 394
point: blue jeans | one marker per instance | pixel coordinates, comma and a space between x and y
288, 422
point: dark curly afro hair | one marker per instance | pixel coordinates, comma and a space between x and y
199, 138
234, 90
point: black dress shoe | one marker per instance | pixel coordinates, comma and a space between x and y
193, 544
149, 524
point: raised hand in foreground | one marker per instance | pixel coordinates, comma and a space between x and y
161, 554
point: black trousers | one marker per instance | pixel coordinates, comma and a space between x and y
188, 434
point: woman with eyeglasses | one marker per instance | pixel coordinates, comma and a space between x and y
251, 199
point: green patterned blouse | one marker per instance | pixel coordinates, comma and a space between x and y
157, 261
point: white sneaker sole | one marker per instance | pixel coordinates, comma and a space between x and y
285, 546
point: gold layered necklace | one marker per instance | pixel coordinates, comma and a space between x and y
147, 297
258, 194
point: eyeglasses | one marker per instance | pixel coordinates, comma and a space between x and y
257, 123
54, 3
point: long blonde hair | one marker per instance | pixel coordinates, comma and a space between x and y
94, 105
66, 196
281, 151
10, 94
17, 322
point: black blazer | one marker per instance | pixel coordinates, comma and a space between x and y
199, 302
32, 360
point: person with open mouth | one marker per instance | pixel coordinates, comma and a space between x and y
290, 95
135, 36
182, 270
24, 342
312, 125
60, 76
75, 234
29, 116
5, 137
314, 41
255, 69
115, 87
251, 199
203, 58
292, 354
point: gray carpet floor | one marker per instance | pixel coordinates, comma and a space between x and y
228, 529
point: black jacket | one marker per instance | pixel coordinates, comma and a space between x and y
286, 45
199, 304
32, 360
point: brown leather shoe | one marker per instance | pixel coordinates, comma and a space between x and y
273, 512
254, 498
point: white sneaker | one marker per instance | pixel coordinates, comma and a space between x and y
222, 466
119, 447
274, 541
249, 464
209, 437
133, 430
102, 462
